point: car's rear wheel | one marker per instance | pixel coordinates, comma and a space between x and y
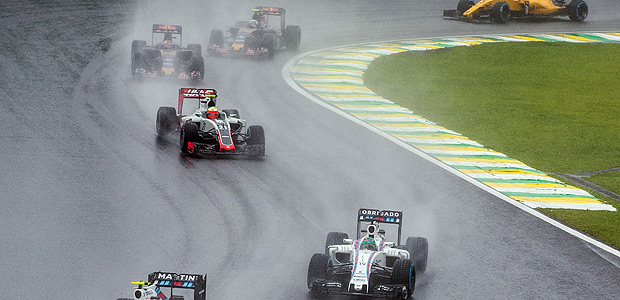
335, 238
403, 273
166, 119
463, 6
577, 10
418, 252
500, 13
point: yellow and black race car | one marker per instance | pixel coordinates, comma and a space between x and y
501, 11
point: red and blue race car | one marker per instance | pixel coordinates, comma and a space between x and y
256, 38
167, 58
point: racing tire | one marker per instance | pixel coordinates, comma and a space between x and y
463, 6
233, 31
577, 10
256, 136
189, 133
403, 272
134, 64
269, 42
292, 37
418, 252
195, 48
317, 269
216, 38
335, 238
166, 117
197, 64
231, 113
500, 13
138, 61
136, 46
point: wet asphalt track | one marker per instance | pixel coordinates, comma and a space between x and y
91, 199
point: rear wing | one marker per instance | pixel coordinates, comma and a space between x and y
273, 11
159, 280
167, 29
196, 94
369, 216
262, 11
174, 29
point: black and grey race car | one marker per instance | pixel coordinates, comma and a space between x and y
368, 265
203, 133
167, 59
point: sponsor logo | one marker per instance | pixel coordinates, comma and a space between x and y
177, 277
378, 213
197, 92
167, 27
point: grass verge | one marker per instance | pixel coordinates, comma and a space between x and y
553, 106
610, 181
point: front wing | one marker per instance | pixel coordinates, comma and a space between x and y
211, 149
389, 291
456, 15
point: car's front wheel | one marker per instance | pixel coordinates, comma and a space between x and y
500, 13
403, 273
418, 252
578, 10
256, 136
189, 132
317, 269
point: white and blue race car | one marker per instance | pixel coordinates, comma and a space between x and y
152, 289
368, 265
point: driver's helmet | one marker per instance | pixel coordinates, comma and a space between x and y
368, 244
167, 43
212, 112
253, 24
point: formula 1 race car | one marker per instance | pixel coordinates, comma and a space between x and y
501, 11
205, 130
157, 280
167, 59
256, 38
368, 265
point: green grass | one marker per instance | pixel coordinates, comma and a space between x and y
610, 181
554, 106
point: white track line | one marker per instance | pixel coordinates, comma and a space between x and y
286, 74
